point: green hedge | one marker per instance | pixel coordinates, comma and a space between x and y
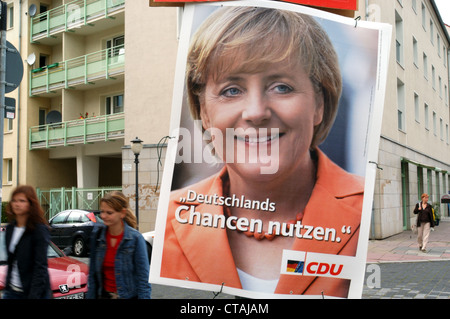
4, 219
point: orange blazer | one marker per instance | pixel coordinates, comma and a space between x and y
203, 254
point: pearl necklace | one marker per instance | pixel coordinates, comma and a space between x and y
262, 235
248, 233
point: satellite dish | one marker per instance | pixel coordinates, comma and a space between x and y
31, 59
53, 117
32, 10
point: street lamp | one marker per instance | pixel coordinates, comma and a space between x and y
136, 147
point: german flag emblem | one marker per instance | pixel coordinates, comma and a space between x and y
295, 266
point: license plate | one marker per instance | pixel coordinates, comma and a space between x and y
79, 295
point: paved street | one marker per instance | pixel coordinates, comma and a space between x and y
412, 280
406, 272
399, 280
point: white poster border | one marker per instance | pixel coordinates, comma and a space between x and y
385, 34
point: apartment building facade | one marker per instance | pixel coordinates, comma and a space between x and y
71, 135
103, 74
414, 153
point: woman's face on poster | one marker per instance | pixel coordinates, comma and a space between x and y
272, 113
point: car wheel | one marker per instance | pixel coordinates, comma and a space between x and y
79, 247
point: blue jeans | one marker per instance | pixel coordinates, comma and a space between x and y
8, 293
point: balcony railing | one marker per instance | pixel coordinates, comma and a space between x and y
81, 70
71, 15
89, 130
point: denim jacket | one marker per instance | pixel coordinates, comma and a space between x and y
131, 265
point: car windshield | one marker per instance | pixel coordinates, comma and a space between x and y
52, 251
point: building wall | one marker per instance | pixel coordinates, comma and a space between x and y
150, 174
407, 138
151, 47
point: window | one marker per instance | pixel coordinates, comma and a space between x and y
441, 129
43, 60
74, 217
414, 5
42, 9
431, 32
42, 115
446, 133
440, 87
438, 182
429, 180
426, 116
415, 52
425, 66
419, 180
60, 218
8, 125
10, 16
416, 107
114, 104
445, 55
401, 104
433, 77
424, 17
446, 94
399, 37
434, 124
8, 170
115, 45
439, 45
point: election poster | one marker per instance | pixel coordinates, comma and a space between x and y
270, 168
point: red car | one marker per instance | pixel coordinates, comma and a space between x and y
68, 276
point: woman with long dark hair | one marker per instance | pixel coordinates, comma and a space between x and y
27, 240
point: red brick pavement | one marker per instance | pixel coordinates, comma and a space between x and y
404, 247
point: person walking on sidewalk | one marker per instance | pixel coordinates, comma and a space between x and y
27, 238
119, 266
425, 221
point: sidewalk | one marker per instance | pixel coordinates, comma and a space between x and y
403, 247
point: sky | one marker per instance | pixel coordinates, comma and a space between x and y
444, 10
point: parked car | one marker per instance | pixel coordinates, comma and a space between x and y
72, 228
68, 276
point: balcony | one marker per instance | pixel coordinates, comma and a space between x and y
84, 70
83, 131
73, 16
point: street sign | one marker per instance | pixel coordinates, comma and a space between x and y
14, 68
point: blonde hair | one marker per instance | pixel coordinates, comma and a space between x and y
118, 201
261, 36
